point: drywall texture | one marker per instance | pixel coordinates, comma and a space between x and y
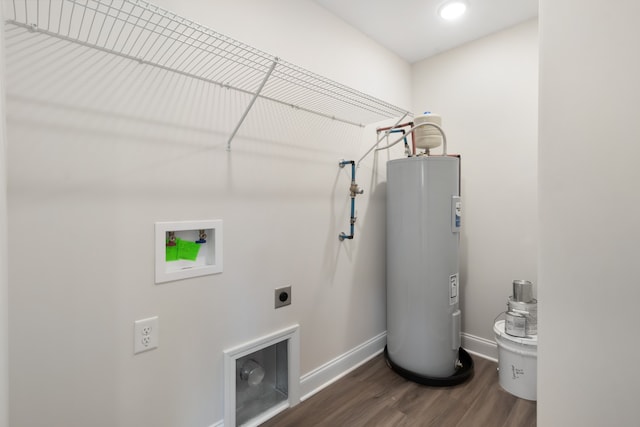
486, 92
589, 200
101, 148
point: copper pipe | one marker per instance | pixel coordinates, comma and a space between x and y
408, 124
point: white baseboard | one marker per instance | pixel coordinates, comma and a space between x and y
481, 347
218, 424
321, 377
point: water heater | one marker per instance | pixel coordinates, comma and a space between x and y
423, 287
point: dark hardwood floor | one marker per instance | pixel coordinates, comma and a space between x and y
373, 395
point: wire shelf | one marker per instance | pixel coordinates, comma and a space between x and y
140, 31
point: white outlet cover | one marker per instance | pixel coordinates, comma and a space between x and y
145, 334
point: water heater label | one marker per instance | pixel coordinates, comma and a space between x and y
453, 289
456, 214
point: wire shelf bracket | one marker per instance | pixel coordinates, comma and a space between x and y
253, 100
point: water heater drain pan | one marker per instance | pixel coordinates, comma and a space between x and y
462, 374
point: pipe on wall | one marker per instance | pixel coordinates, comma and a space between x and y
354, 190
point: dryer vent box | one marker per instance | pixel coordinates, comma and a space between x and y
262, 378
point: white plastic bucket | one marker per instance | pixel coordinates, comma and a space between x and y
517, 363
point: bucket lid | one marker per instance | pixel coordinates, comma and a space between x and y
498, 328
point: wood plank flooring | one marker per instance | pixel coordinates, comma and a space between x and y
374, 395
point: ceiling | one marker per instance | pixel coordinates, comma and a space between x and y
413, 29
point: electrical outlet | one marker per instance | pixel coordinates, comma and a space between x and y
145, 334
282, 297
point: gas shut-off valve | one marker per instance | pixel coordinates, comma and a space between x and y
354, 190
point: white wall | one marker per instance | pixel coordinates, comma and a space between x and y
100, 149
589, 205
4, 305
486, 92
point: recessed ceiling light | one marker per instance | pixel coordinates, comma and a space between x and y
452, 10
